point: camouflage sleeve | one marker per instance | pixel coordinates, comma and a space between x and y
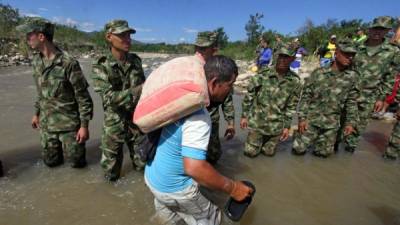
137, 81
110, 97
37, 106
305, 98
249, 97
389, 78
37, 100
228, 109
82, 96
351, 107
291, 105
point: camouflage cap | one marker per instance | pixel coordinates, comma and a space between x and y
36, 24
285, 50
347, 45
206, 39
118, 26
382, 21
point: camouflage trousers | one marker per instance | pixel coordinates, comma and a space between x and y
53, 144
322, 140
257, 143
112, 143
393, 149
364, 112
214, 151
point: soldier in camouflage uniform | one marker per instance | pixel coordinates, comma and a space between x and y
206, 45
393, 149
269, 106
327, 93
63, 107
214, 147
118, 78
375, 61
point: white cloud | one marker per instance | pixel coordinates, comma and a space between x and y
147, 39
84, 26
65, 21
190, 30
70, 21
140, 29
182, 39
43, 9
27, 14
87, 26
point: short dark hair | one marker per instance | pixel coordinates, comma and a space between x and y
48, 36
265, 39
221, 67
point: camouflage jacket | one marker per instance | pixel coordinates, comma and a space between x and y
63, 102
326, 95
377, 67
271, 101
119, 86
227, 109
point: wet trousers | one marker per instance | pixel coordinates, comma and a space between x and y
53, 144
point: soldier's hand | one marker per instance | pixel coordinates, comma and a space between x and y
284, 135
35, 122
303, 126
240, 191
385, 106
348, 130
378, 106
82, 135
243, 123
229, 132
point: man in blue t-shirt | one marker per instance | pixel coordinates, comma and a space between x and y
265, 55
180, 165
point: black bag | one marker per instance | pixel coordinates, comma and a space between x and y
234, 209
148, 145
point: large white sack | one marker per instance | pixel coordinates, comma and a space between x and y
174, 90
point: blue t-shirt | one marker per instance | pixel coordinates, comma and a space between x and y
187, 137
265, 57
299, 55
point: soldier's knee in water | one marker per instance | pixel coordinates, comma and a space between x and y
349, 149
53, 157
269, 153
251, 154
298, 152
320, 154
53, 163
78, 163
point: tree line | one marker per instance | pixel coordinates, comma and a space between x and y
310, 35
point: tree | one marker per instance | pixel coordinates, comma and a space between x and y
222, 38
99, 39
313, 36
270, 36
253, 28
9, 19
